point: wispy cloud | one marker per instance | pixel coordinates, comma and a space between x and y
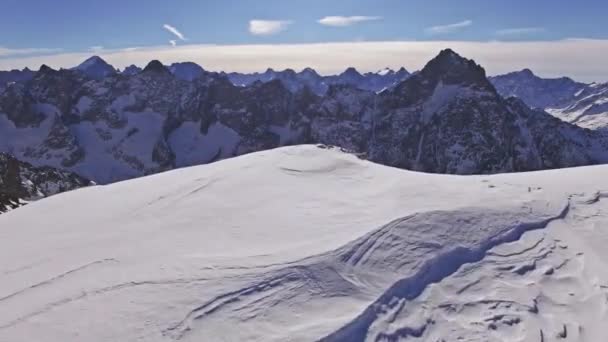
175, 32
520, 31
340, 21
268, 27
6, 52
96, 48
449, 28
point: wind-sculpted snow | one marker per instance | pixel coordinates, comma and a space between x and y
307, 243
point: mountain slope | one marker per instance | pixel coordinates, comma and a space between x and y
337, 249
588, 109
21, 182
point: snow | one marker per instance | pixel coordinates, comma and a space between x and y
193, 147
84, 104
384, 72
303, 243
118, 153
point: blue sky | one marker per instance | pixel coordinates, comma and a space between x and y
79, 24
45, 27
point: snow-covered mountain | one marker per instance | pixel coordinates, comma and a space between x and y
585, 105
295, 81
447, 118
186, 71
588, 108
95, 67
21, 182
311, 244
537, 92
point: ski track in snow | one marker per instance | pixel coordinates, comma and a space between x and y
517, 257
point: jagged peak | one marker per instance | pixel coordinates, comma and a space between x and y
527, 72
156, 66
451, 68
131, 70
45, 69
351, 71
309, 70
93, 61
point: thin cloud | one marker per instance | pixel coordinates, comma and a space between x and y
96, 48
340, 21
520, 31
174, 31
442, 29
268, 27
6, 52
173, 42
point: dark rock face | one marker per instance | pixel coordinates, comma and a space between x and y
156, 67
447, 118
21, 182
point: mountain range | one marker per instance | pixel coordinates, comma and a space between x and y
447, 118
585, 105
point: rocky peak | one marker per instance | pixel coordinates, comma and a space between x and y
309, 72
45, 69
156, 67
96, 68
21, 182
527, 72
131, 70
450, 68
351, 72
187, 71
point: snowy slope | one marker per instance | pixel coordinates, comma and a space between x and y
305, 243
589, 108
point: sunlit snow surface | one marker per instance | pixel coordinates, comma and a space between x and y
305, 243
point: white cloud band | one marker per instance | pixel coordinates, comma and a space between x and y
442, 29
267, 27
339, 21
